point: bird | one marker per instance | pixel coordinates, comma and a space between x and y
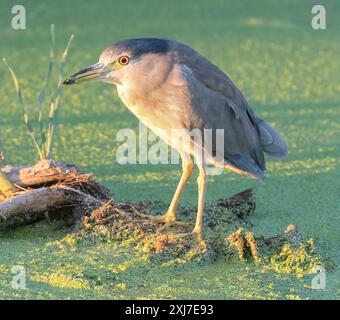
169, 86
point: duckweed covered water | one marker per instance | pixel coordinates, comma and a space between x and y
289, 73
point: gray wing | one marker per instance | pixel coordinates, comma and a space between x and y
218, 104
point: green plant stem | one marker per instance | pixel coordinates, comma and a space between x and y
43, 138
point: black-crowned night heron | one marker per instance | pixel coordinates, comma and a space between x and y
169, 86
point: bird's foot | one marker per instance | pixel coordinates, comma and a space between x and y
174, 223
168, 219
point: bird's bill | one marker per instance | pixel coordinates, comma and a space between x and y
96, 71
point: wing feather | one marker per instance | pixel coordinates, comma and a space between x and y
218, 104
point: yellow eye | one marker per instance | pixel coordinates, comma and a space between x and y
123, 60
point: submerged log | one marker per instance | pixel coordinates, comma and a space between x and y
31, 206
49, 189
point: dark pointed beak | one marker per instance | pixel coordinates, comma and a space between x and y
93, 72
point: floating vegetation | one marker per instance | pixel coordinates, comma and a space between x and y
131, 225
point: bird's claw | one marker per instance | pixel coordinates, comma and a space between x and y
168, 220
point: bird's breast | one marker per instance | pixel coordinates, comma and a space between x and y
162, 111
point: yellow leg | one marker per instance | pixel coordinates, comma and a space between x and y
170, 217
187, 165
202, 182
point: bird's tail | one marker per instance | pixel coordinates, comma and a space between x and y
272, 142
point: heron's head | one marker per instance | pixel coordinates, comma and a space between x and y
126, 60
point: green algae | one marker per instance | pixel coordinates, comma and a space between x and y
61, 280
121, 224
72, 267
292, 83
301, 260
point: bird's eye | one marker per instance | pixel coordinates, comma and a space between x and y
123, 60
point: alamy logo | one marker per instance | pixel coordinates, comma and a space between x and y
19, 277
19, 18
202, 143
319, 280
319, 19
